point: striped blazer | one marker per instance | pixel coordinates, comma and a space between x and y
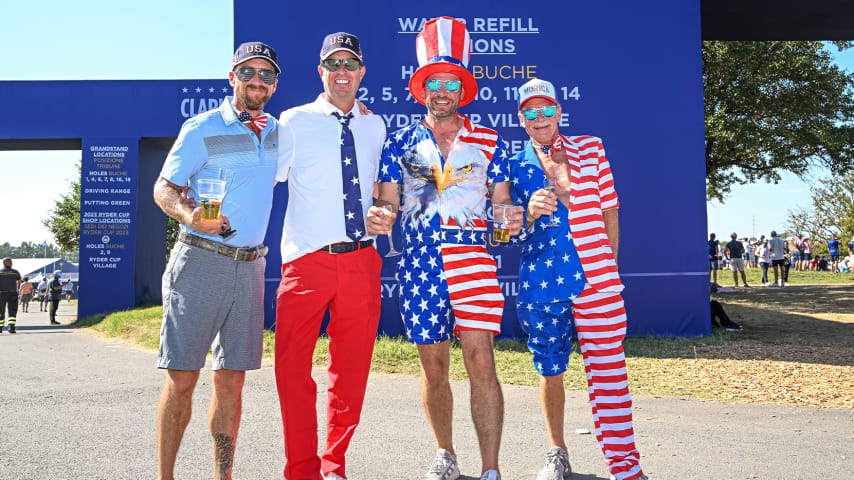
591, 193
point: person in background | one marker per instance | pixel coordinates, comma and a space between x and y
777, 251
763, 258
787, 264
68, 290
797, 252
806, 254
55, 292
833, 250
736, 252
714, 252
10, 280
26, 294
44, 295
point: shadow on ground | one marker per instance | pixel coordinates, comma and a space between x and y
809, 324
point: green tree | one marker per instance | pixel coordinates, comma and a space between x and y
831, 212
773, 107
64, 219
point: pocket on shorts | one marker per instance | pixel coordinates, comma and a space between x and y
177, 262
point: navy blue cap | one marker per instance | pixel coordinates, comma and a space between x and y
249, 50
335, 42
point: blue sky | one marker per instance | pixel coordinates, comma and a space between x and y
159, 39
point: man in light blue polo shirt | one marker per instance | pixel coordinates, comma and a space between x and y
213, 286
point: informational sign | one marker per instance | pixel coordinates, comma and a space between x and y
108, 191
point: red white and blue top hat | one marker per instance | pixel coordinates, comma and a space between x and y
443, 46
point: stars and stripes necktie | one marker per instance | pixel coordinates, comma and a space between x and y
260, 121
354, 222
557, 145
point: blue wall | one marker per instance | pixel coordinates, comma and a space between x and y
631, 73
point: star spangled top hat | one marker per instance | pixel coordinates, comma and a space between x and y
443, 46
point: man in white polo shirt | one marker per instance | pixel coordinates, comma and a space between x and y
328, 154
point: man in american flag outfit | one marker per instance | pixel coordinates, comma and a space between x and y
568, 273
443, 168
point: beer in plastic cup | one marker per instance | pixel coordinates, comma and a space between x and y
500, 230
211, 193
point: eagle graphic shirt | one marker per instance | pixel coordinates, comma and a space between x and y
444, 200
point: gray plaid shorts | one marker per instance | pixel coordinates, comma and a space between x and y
211, 301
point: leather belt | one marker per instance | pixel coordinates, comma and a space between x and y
247, 254
347, 247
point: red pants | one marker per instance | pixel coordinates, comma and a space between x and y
349, 286
600, 320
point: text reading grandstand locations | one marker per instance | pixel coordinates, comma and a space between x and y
108, 205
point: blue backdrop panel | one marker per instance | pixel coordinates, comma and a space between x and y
627, 72
107, 224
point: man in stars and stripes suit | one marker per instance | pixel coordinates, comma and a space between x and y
568, 274
443, 167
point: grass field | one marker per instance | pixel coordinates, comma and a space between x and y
797, 353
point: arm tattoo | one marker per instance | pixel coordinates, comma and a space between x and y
490, 187
223, 454
169, 200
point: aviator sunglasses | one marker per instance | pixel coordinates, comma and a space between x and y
532, 113
245, 74
332, 64
450, 85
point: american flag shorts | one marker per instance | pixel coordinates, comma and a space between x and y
437, 281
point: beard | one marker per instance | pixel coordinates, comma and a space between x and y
251, 103
451, 108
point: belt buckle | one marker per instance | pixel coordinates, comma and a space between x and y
329, 249
236, 254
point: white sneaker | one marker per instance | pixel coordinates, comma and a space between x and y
444, 467
333, 476
557, 465
490, 475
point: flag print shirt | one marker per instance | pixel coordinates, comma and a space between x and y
444, 200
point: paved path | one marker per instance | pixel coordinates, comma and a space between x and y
74, 406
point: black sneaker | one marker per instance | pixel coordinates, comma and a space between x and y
11, 329
54, 322
733, 327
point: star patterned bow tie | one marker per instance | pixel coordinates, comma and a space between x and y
557, 145
260, 121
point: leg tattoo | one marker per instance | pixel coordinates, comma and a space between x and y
223, 454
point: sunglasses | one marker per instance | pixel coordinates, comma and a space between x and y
450, 85
245, 74
332, 64
533, 113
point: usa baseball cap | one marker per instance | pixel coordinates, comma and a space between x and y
336, 42
536, 88
249, 50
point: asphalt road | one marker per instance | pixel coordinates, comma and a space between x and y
75, 406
